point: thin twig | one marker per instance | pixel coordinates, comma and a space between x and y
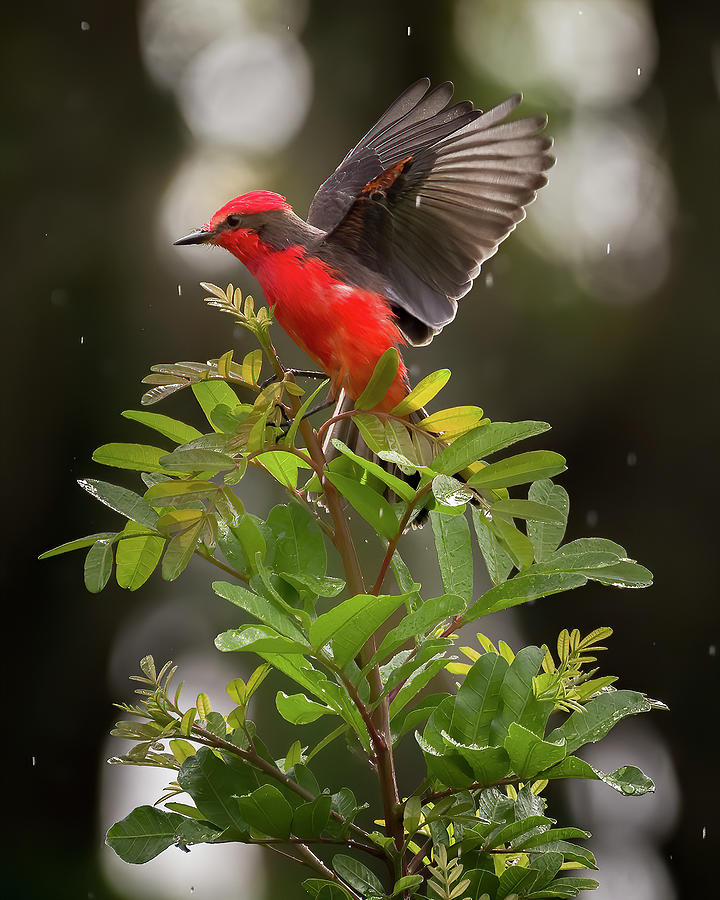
392, 546
224, 567
254, 759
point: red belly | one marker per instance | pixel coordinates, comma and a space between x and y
343, 328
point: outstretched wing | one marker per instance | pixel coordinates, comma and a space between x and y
427, 196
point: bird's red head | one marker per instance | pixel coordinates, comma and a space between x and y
237, 225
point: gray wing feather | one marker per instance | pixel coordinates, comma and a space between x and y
471, 175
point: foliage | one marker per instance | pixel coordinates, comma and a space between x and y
372, 664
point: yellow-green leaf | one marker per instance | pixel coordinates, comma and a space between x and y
384, 374
452, 422
203, 705
252, 366
422, 393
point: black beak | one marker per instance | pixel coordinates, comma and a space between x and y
195, 237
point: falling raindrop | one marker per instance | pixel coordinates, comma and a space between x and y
704, 832
409, 30
631, 458
580, 12
417, 201
179, 290
82, 339
489, 280
607, 249
85, 26
639, 70
34, 760
712, 650
591, 518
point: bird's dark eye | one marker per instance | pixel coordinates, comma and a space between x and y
233, 220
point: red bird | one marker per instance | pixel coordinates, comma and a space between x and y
395, 236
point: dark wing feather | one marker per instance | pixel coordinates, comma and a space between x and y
427, 196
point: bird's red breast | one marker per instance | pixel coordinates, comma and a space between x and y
345, 329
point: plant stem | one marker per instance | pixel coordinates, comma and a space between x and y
392, 546
221, 565
254, 759
354, 845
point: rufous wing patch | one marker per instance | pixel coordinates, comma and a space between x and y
386, 179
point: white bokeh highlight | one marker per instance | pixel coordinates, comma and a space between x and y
587, 53
251, 91
610, 209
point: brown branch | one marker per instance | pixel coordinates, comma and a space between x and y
392, 546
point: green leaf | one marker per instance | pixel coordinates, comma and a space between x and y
546, 537
299, 709
318, 585
136, 557
176, 431
98, 565
478, 700
521, 589
624, 574
417, 623
373, 507
383, 375
299, 543
422, 393
290, 437
489, 764
261, 608
516, 544
258, 640
325, 890
144, 834
179, 551
138, 457
177, 520
77, 544
529, 509
400, 487
267, 811
122, 500
507, 834
167, 492
497, 561
407, 882
357, 876
213, 784
349, 624
483, 441
198, 460
309, 819
452, 542
372, 431
450, 492
283, 466
528, 753
519, 469
212, 393
598, 716
519, 703
627, 780
415, 683
566, 887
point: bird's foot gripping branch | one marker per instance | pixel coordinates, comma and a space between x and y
362, 649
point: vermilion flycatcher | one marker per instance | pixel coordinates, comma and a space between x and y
396, 234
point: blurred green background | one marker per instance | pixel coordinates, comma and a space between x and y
125, 125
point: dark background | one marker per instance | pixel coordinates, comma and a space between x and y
615, 349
